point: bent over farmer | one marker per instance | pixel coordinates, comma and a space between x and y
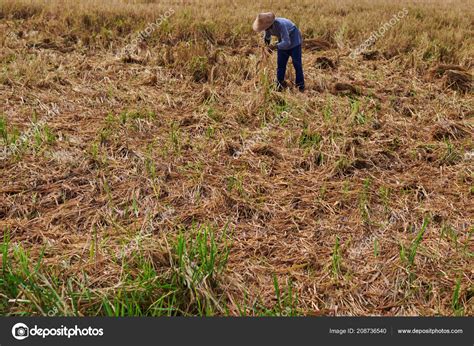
289, 45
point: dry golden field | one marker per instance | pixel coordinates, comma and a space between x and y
164, 175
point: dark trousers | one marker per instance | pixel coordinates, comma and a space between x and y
282, 61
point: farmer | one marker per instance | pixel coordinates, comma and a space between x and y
289, 44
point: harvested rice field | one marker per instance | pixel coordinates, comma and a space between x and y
149, 166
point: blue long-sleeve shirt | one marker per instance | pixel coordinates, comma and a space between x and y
287, 32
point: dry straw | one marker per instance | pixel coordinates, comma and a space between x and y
329, 207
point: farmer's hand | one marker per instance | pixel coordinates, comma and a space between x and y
271, 48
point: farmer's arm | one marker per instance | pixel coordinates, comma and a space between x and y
285, 41
267, 37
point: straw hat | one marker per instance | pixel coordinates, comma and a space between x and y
263, 21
